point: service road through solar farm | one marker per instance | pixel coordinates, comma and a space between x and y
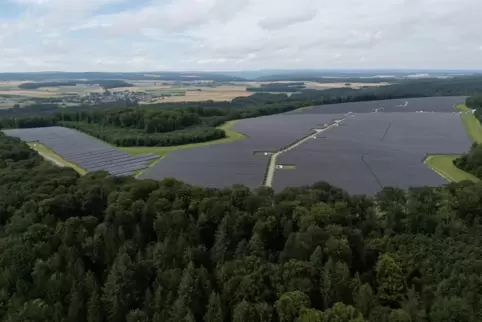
378, 144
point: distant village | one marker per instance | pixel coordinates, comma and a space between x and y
107, 96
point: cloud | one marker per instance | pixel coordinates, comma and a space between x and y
130, 35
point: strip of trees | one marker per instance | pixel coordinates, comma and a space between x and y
278, 87
101, 248
152, 126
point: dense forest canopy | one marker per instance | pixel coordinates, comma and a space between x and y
100, 248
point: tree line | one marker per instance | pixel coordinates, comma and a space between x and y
106, 249
131, 137
278, 87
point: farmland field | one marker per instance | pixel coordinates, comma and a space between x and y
383, 143
177, 92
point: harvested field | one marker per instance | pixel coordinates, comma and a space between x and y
84, 151
364, 153
221, 93
28, 93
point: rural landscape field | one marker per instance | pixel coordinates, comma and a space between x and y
240, 161
146, 91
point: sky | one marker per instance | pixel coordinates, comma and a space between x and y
222, 35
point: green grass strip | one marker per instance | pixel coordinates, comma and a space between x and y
471, 124
444, 166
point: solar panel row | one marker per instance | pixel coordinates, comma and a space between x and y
374, 150
83, 150
222, 165
366, 152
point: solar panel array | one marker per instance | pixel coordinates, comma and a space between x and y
222, 165
85, 151
427, 104
370, 151
367, 151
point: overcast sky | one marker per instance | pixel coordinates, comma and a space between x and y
141, 35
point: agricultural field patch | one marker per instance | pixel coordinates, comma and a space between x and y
193, 93
84, 151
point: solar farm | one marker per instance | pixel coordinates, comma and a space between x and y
85, 151
375, 144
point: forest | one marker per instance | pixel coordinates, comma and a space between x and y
106, 249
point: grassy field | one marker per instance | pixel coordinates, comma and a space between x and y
471, 124
231, 136
54, 157
443, 164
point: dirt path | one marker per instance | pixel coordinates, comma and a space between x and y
272, 163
